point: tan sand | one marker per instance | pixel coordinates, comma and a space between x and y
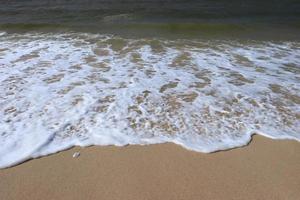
266, 169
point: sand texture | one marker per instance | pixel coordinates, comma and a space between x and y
266, 169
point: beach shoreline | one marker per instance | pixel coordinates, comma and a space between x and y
149, 100
265, 169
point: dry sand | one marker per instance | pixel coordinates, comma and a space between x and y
266, 169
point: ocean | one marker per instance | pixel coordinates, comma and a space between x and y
202, 74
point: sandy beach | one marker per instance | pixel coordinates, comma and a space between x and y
265, 169
95, 95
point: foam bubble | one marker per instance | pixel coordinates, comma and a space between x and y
61, 90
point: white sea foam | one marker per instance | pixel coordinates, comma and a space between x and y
61, 90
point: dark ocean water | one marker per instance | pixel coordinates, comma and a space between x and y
248, 18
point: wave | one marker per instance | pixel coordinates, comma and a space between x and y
62, 90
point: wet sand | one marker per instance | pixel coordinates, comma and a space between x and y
266, 169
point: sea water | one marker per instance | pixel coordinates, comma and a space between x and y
115, 78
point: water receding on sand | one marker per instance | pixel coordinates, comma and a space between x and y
64, 89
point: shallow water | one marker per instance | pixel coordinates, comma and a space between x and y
60, 90
113, 75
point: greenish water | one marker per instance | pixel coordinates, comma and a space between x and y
154, 18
